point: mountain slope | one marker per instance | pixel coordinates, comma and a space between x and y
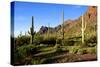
72, 28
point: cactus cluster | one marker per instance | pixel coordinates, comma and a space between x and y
83, 28
31, 32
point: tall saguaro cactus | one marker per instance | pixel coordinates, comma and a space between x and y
20, 34
31, 32
62, 27
48, 30
83, 29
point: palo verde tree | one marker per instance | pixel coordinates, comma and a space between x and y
31, 32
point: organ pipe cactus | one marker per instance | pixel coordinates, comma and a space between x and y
31, 32
83, 28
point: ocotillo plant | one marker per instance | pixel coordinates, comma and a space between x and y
31, 32
83, 29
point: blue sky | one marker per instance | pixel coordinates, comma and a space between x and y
43, 14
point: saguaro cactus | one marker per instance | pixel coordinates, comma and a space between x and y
31, 32
83, 29
48, 30
20, 34
62, 27
25, 33
56, 45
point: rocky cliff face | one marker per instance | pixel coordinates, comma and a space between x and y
45, 29
73, 27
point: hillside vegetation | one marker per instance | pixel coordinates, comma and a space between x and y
59, 45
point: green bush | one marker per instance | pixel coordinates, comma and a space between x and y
92, 41
38, 38
82, 51
92, 44
22, 40
19, 55
77, 43
59, 50
58, 41
92, 50
50, 40
74, 49
24, 52
69, 43
31, 49
35, 61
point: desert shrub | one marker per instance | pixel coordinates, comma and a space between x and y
47, 60
91, 41
19, 55
82, 51
38, 38
59, 50
65, 49
36, 61
74, 49
31, 49
78, 43
92, 50
92, 44
69, 43
73, 41
44, 60
59, 41
49, 40
22, 40
24, 52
